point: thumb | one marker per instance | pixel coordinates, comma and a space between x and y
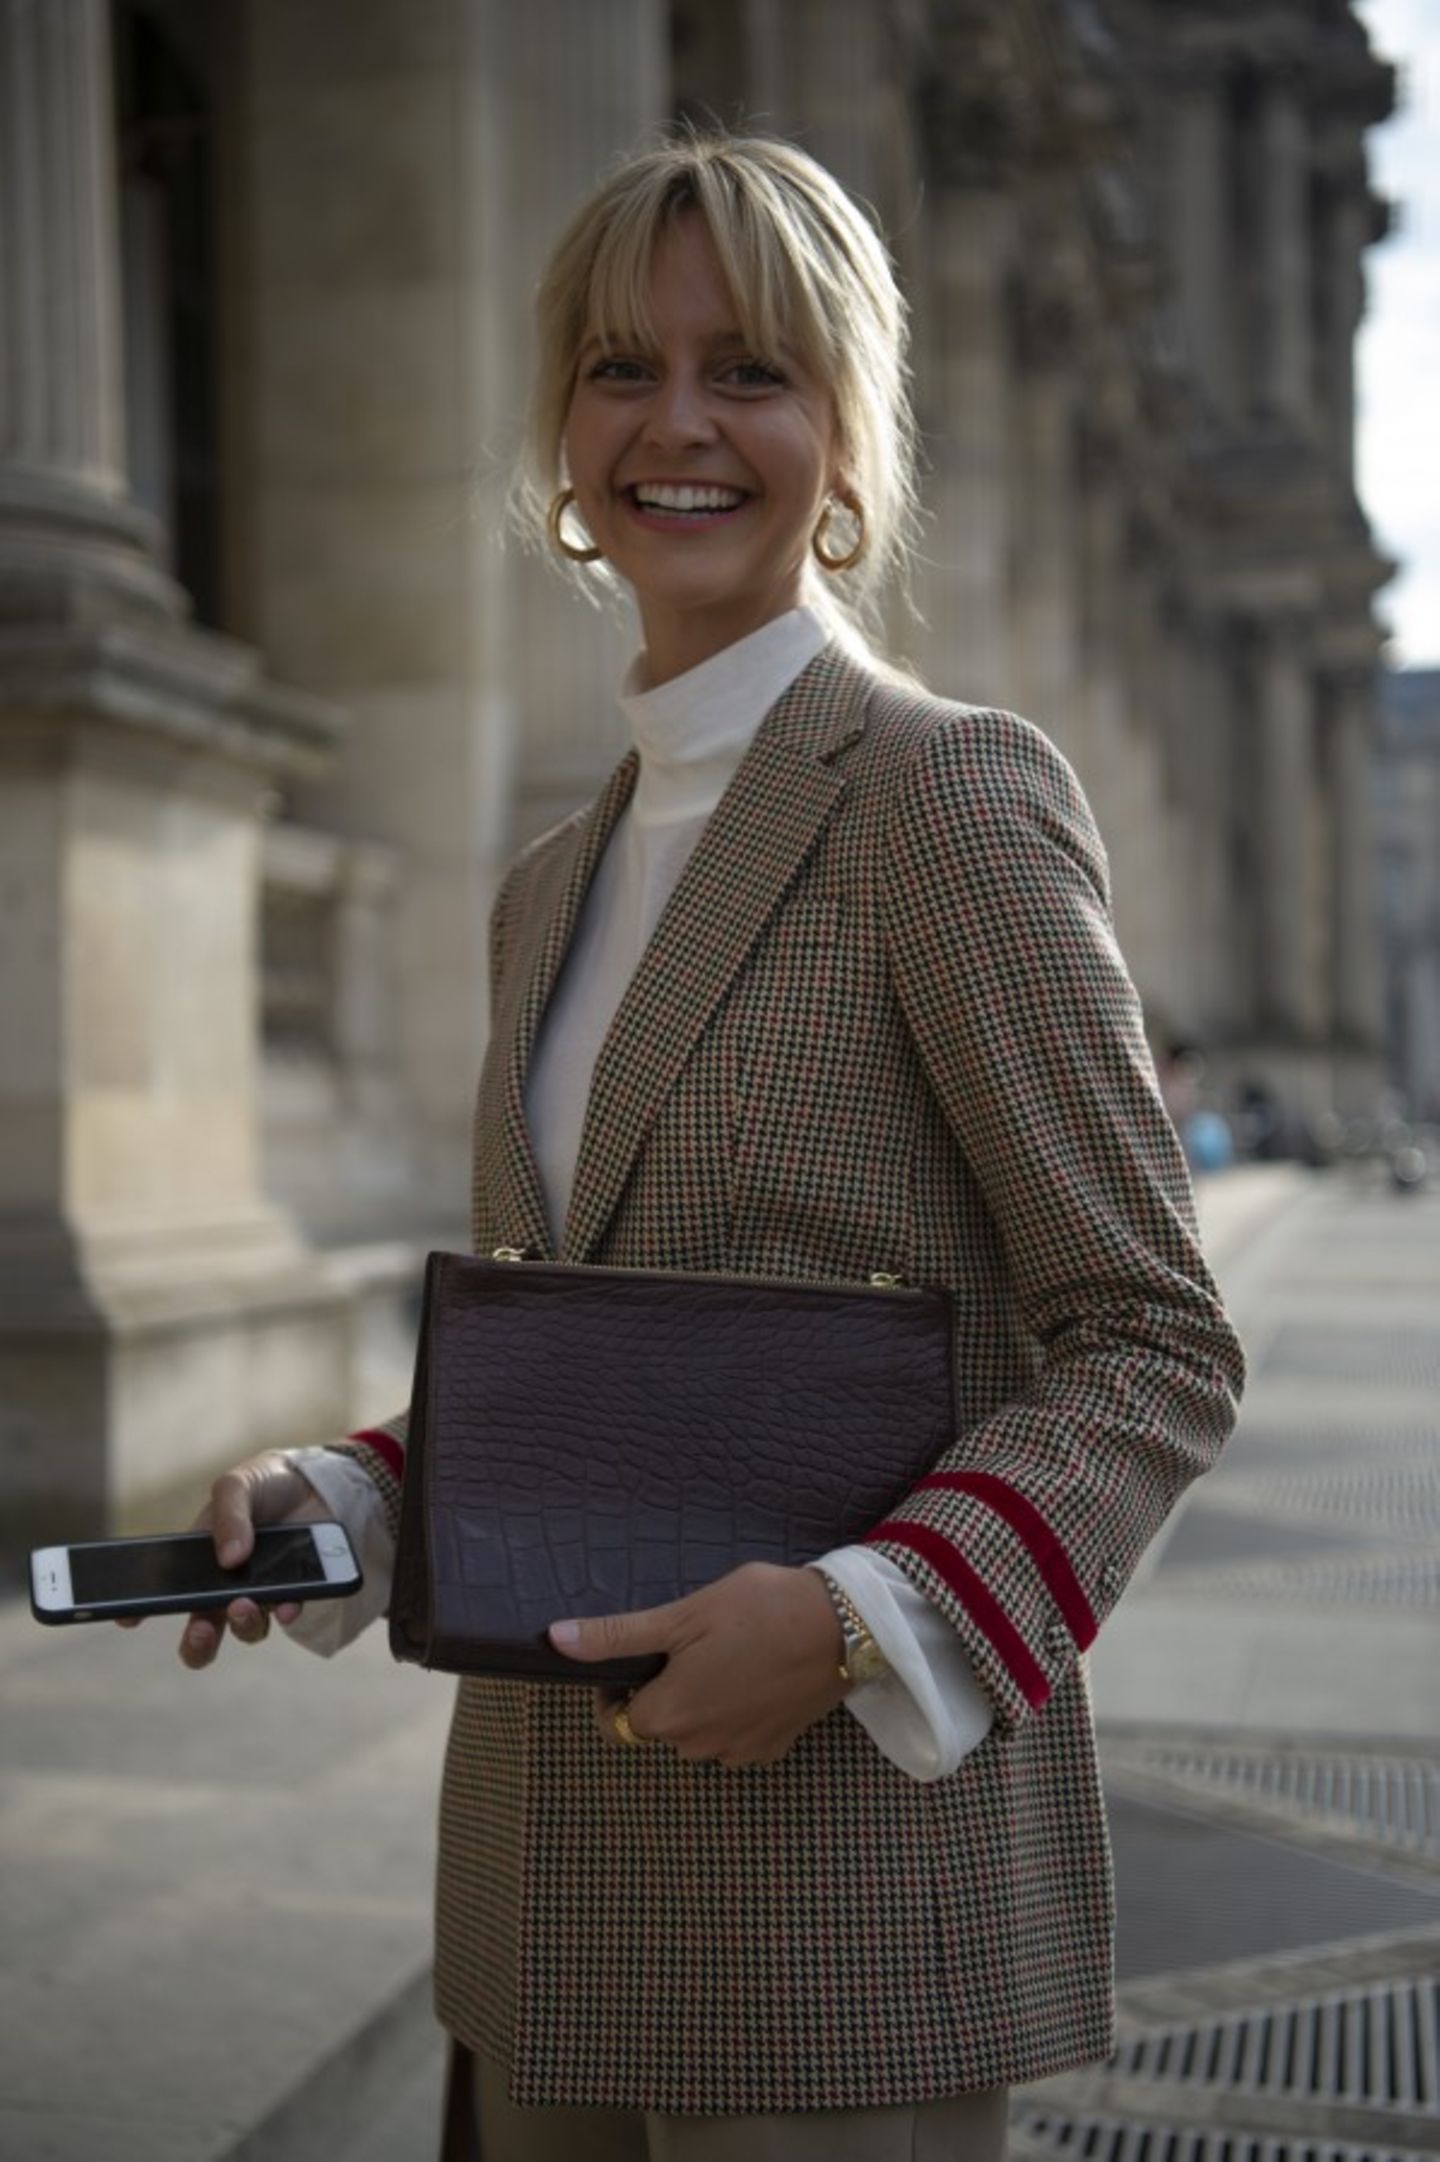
231, 1519
615, 1636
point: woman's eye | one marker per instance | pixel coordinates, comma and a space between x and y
743, 374
753, 373
615, 370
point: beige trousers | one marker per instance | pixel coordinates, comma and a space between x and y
961, 2128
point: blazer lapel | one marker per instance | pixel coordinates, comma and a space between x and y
769, 818
505, 1157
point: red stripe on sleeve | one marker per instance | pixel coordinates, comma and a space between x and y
1045, 1549
977, 1599
386, 1447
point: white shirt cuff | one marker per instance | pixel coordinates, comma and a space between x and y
928, 1712
326, 1626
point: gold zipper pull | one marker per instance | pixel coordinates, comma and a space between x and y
883, 1280
507, 1253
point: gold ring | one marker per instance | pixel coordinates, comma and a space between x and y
620, 1721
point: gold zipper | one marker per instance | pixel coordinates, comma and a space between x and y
880, 1279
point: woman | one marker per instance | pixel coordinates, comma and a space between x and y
822, 984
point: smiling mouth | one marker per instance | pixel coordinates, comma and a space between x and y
698, 501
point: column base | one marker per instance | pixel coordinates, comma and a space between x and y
71, 555
134, 1366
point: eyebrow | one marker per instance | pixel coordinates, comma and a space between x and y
722, 340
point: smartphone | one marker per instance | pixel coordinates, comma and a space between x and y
107, 1579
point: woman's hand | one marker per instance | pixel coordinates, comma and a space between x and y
750, 1662
263, 1490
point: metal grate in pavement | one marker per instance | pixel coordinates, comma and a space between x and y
1195, 1893
1377, 2047
1349, 1351
1114, 2139
1393, 1798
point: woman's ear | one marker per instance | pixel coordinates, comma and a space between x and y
842, 483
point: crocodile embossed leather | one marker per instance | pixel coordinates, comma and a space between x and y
590, 1441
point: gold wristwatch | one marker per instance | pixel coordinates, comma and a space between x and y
864, 1661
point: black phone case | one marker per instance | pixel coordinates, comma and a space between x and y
188, 1602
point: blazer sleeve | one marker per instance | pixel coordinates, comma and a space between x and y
995, 908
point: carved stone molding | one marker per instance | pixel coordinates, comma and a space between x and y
1053, 307
188, 692
977, 102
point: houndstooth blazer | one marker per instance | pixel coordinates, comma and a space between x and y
883, 1024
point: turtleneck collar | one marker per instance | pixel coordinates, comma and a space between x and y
693, 731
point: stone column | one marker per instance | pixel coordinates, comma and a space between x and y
1200, 235
1223, 1012
1355, 989
1286, 387
71, 543
1349, 230
966, 389
157, 1317
1105, 754
394, 201
584, 84
976, 124
1045, 457
837, 77
1149, 870
1285, 896
1182, 762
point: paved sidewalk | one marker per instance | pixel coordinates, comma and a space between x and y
1297, 1587
1269, 1705
214, 1889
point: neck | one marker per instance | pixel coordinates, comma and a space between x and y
679, 639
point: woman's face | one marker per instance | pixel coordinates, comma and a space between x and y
699, 467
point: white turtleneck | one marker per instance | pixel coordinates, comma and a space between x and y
691, 734
929, 1711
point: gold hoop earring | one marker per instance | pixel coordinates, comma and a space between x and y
556, 512
833, 563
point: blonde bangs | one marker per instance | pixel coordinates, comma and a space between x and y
775, 306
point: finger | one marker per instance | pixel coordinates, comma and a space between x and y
289, 1612
618, 1636
232, 1522
201, 1641
249, 1622
606, 1703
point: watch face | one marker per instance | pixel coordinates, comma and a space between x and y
866, 1663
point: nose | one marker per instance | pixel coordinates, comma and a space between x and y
679, 413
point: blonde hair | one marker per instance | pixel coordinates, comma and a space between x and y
804, 267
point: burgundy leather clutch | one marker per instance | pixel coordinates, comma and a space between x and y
590, 1441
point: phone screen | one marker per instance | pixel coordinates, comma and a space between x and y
179, 1568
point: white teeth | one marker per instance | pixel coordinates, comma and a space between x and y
659, 497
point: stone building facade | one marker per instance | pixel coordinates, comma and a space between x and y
1407, 800
277, 702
